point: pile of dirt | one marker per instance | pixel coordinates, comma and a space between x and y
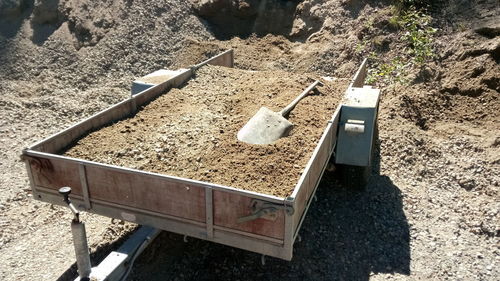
191, 132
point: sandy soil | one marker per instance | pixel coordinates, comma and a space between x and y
191, 132
430, 211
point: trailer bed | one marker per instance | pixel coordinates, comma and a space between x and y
191, 207
191, 132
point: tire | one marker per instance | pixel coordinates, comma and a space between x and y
354, 177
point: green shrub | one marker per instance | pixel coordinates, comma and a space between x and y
416, 31
393, 71
403, 4
418, 34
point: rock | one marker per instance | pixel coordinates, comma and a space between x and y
467, 183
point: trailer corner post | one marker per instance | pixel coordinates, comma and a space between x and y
289, 231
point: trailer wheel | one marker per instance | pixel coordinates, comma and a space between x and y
354, 177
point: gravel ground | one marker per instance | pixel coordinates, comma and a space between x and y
429, 212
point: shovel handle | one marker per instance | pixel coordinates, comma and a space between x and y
289, 107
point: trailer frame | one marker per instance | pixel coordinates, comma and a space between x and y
193, 208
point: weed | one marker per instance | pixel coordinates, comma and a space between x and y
394, 22
369, 23
403, 4
361, 46
373, 56
418, 35
394, 71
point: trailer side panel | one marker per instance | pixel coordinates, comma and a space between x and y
228, 207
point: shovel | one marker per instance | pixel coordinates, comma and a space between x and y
267, 126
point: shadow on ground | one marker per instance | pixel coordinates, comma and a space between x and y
257, 17
96, 256
11, 20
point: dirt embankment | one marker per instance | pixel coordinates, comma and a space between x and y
191, 132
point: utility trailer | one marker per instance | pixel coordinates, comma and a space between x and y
252, 221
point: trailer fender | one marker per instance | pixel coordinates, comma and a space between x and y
357, 133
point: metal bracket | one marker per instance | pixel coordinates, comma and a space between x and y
118, 264
265, 210
85, 186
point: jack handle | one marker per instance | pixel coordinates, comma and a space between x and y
65, 191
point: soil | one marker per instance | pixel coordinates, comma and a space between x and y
430, 210
191, 132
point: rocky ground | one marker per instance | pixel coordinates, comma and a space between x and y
430, 210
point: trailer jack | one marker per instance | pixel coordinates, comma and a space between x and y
79, 238
118, 264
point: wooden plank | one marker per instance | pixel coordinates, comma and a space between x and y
57, 142
185, 200
335, 127
266, 197
359, 78
85, 186
55, 174
209, 211
289, 232
249, 234
224, 236
301, 199
320, 159
228, 207
27, 164
312, 175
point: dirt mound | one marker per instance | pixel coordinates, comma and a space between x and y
473, 69
191, 132
241, 18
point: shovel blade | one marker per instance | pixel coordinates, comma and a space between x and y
265, 127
